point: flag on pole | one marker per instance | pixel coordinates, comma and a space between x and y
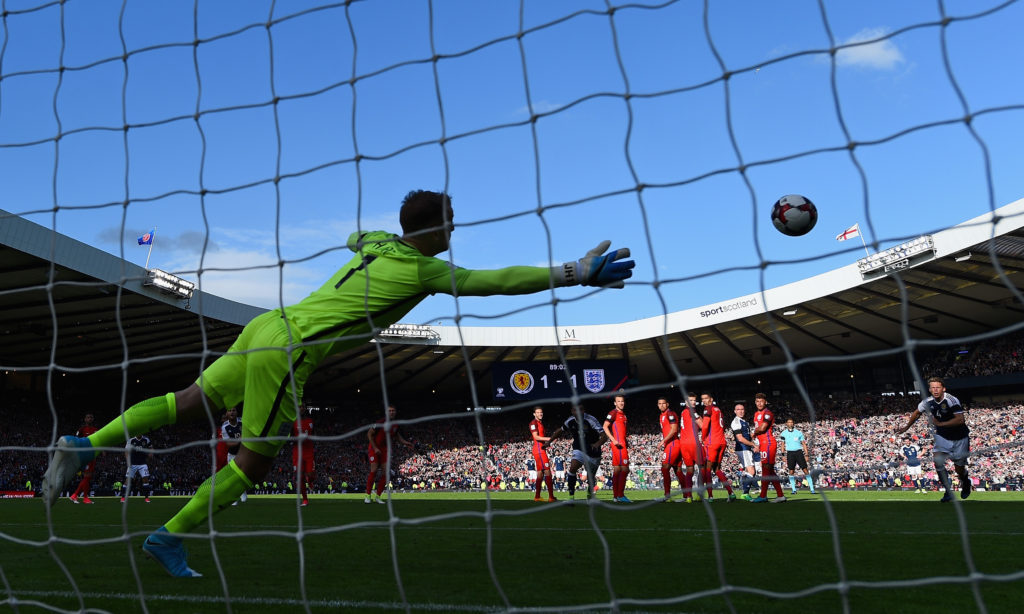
849, 233
147, 239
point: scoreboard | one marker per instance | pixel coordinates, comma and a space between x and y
520, 381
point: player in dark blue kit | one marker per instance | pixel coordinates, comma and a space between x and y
587, 438
912, 453
137, 452
743, 433
952, 437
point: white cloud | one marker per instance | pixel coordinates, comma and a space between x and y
881, 55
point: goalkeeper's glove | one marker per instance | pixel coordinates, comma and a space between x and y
595, 269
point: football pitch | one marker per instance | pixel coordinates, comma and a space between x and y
864, 552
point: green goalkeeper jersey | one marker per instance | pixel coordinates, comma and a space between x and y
384, 281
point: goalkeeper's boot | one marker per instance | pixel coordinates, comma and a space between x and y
966, 490
759, 500
168, 550
946, 498
68, 458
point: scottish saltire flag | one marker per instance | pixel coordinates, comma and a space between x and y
147, 239
849, 233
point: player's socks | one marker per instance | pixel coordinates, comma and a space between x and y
792, 483
381, 483
687, 483
370, 479
724, 480
944, 479
551, 486
570, 483
666, 480
143, 417
705, 476
223, 488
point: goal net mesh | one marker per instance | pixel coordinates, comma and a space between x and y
261, 134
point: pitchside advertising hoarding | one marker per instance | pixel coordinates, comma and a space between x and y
519, 381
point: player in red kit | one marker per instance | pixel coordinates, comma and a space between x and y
690, 448
302, 453
713, 435
85, 430
540, 455
670, 453
377, 453
764, 422
615, 428
221, 451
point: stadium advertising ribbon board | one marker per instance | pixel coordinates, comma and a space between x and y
519, 381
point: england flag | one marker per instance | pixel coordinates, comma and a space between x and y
849, 233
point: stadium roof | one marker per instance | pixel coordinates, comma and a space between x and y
105, 316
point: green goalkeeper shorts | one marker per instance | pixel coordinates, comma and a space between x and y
259, 372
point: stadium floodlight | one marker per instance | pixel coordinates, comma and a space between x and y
409, 331
170, 284
898, 257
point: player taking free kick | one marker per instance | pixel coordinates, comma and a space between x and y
267, 366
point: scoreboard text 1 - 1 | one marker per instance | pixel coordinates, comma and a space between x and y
518, 381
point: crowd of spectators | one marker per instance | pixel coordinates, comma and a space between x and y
997, 356
850, 442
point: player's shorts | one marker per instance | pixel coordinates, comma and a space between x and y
746, 458
670, 454
381, 458
768, 455
540, 456
796, 459
956, 449
533, 475
256, 371
689, 454
913, 469
589, 462
141, 471
559, 474
306, 460
620, 456
714, 452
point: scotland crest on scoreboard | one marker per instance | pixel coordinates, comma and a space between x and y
593, 379
521, 381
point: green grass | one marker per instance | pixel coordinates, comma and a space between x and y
663, 556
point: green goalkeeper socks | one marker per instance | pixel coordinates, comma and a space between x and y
142, 417
224, 488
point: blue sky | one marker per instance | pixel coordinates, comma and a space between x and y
201, 117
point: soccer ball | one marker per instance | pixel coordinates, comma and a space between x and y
794, 215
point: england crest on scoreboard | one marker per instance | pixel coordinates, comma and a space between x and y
593, 379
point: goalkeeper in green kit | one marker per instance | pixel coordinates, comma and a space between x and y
267, 366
